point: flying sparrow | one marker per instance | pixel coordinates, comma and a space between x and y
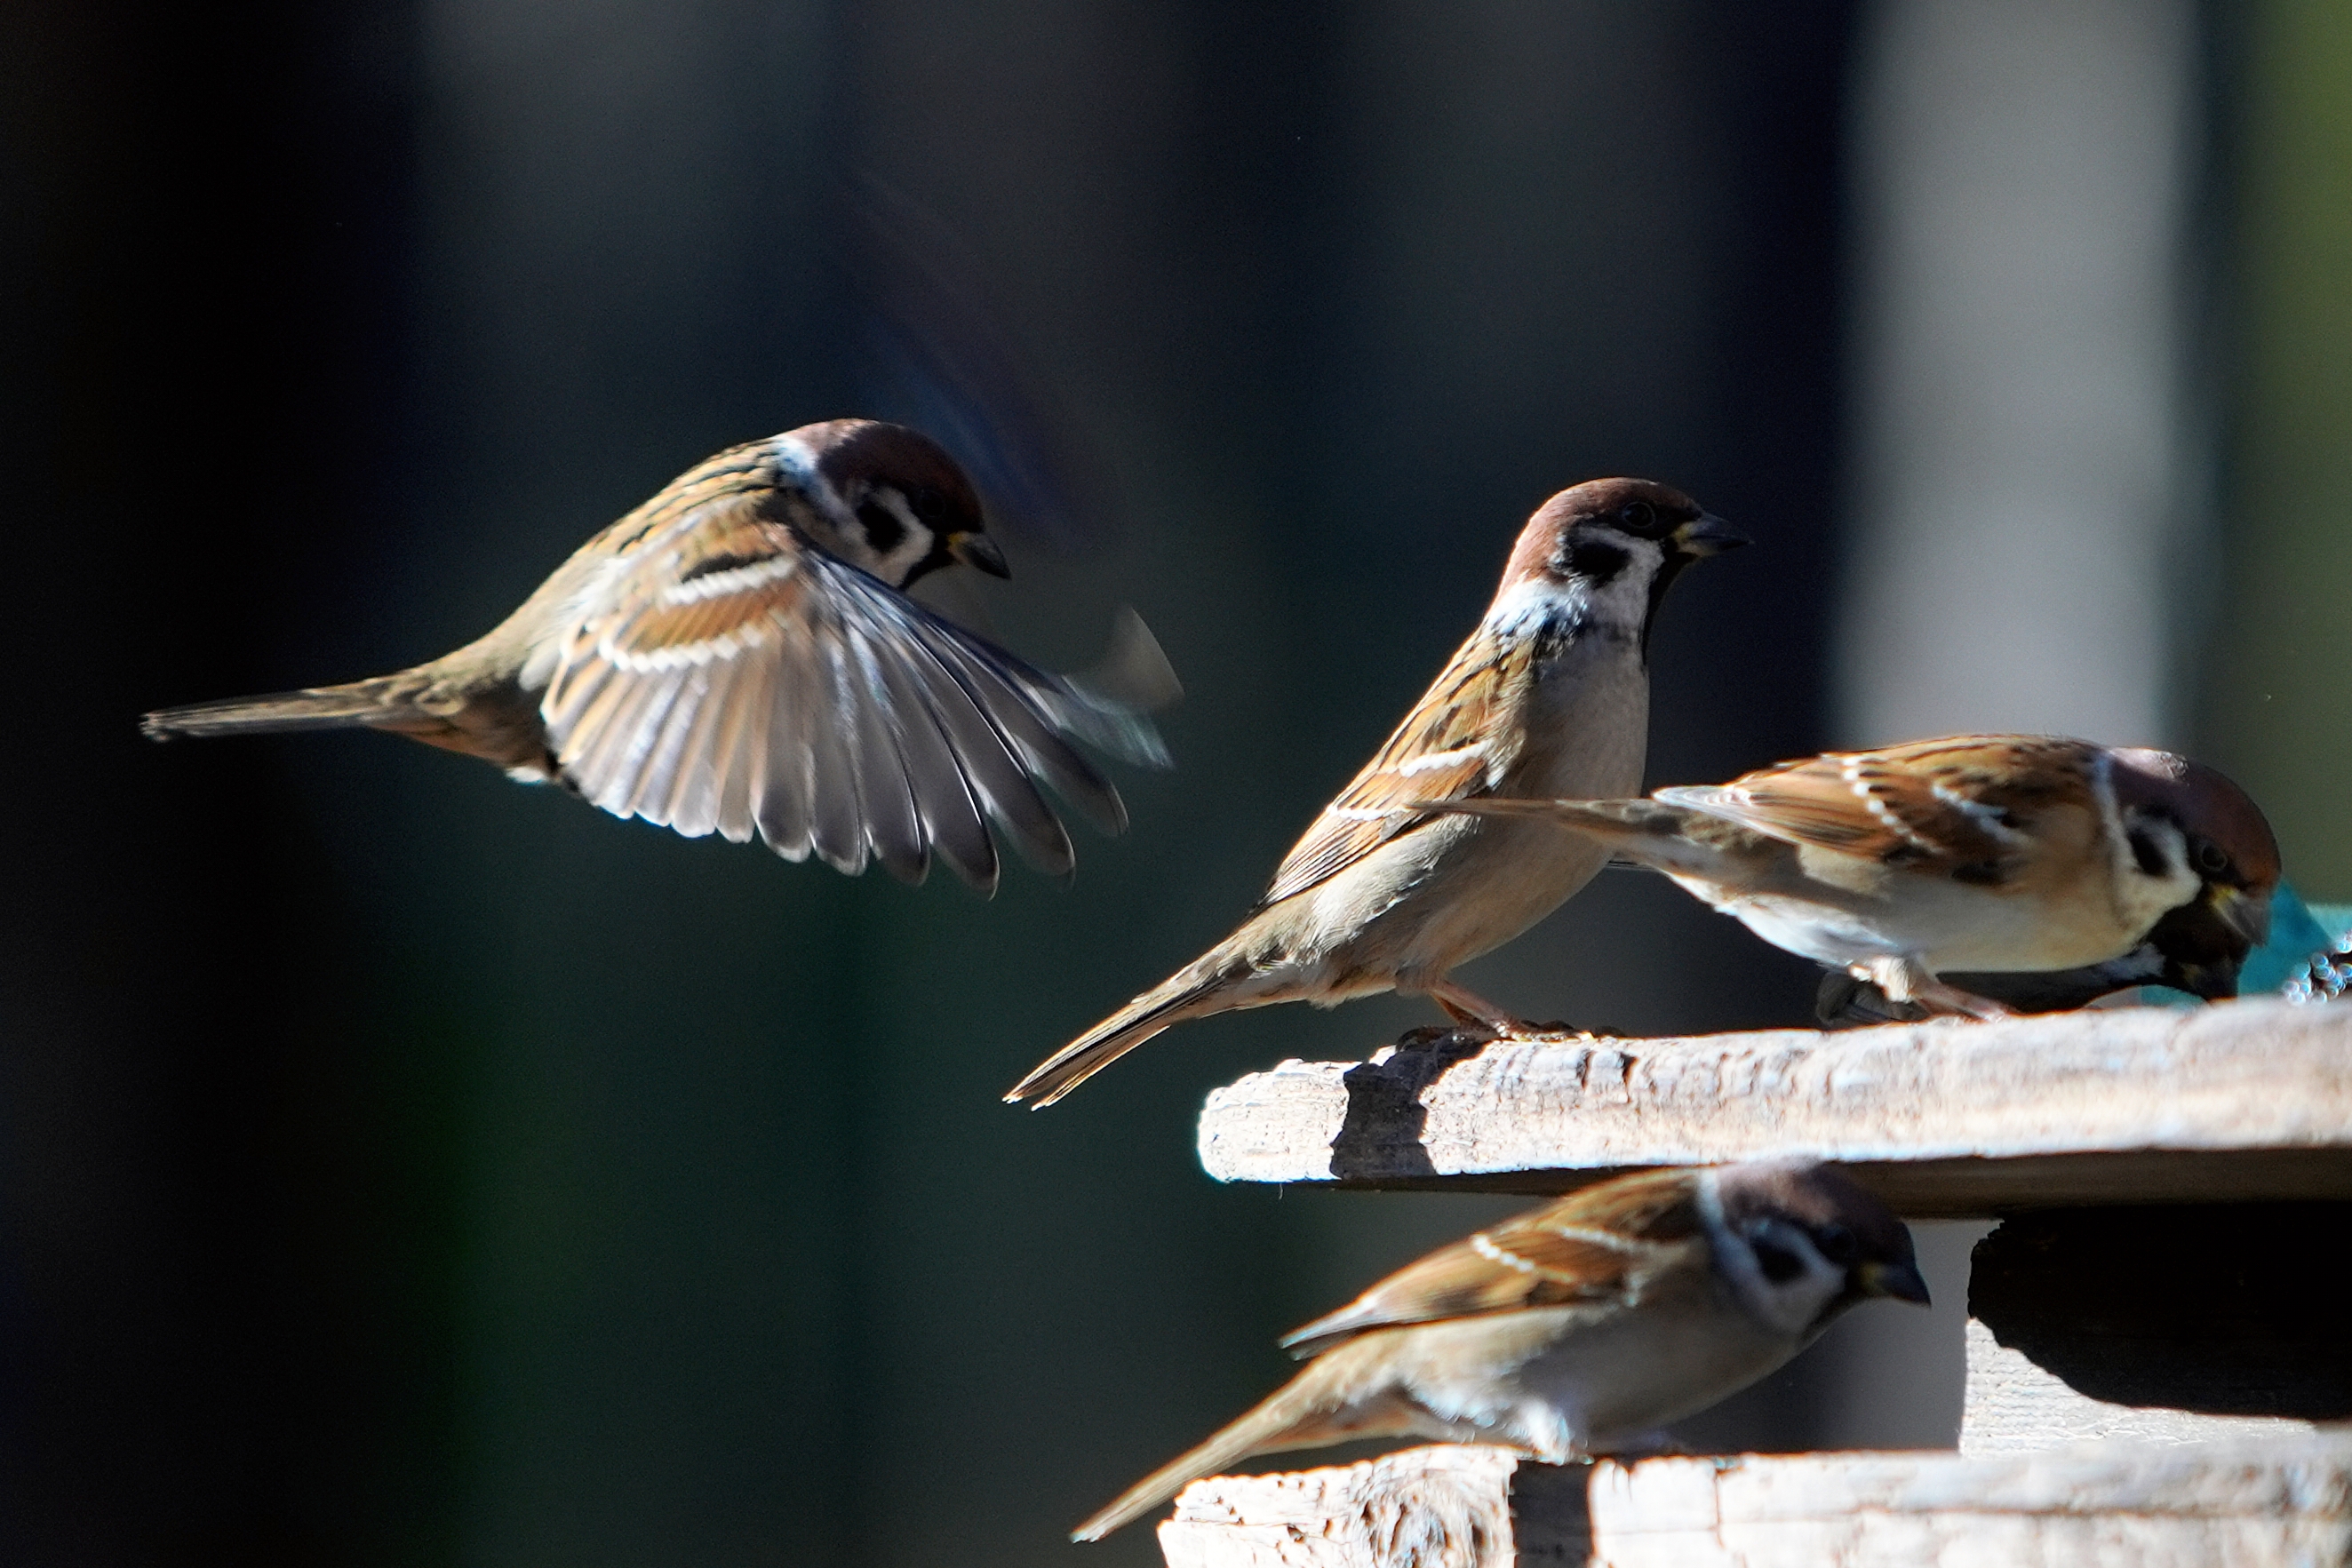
735, 654
1551, 695
2005, 853
1580, 1328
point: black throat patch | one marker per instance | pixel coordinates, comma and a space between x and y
1669, 568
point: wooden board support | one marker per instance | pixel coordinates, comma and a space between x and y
2247, 1505
2093, 1323
2240, 1101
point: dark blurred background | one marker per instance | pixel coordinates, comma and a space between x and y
401, 1166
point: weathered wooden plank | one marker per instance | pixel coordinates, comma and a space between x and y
2013, 1407
2254, 1505
2160, 1323
1445, 1507
2244, 1101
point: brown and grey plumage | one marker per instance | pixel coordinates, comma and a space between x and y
2014, 855
1552, 687
1578, 1328
736, 655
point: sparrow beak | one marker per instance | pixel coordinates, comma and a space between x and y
2250, 917
1708, 535
978, 552
1900, 1280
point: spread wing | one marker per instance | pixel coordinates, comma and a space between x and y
1456, 741
1596, 1245
725, 675
1957, 804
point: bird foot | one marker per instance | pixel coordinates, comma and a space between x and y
1470, 1010
1907, 980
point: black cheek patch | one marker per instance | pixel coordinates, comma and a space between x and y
1780, 1265
883, 528
1979, 873
1595, 560
2146, 852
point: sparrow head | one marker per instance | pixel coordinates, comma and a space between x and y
1800, 1242
910, 509
2184, 822
2196, 948
1621, 543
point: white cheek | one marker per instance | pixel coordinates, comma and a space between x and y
2144, 899
1539, 601
914, 543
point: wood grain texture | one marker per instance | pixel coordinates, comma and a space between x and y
2013, 1407
2250, 1505
1444, 1507
2243, 1101
2088, 1322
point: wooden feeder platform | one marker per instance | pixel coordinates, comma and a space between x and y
2110, 1415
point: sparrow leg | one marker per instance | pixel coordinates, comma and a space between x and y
1467, 1007
1905, 979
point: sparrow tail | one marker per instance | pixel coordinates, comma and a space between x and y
319, 707
1169, 1002
1652, 831
1318, 1408
1611, 821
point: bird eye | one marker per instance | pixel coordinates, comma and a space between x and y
929, 504
1837, 1244
1639, 517
2211, 858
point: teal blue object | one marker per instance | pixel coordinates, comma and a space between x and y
2298, 931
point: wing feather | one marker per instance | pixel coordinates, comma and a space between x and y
1951, 804
736, 678
1456, 741
951, 814
1594, 1247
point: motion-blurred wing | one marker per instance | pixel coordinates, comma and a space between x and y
936, 353
729, 677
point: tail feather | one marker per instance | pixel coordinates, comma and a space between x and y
1169, 1002
1664, 834
319, 707
1322, 1405
1611, 821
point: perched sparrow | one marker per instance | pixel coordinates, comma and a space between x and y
2191, 949
735, 654
1993, 852
1580, 1328
1551, 695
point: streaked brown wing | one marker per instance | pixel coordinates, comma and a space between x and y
1955, 802
1595, 1246
1457, 740
728, 676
